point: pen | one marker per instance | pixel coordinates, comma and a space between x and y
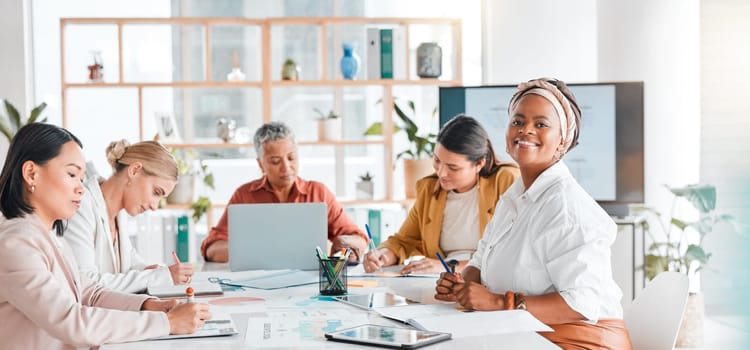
323, 257
176, 259
447, 269
190, 294
371, 244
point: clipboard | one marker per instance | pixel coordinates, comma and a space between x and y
171, 291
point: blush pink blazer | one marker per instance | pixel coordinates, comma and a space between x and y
46, 304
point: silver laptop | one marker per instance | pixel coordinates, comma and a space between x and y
276, 236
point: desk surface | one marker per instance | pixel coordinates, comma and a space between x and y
304, 298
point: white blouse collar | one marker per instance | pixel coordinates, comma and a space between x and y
552, 175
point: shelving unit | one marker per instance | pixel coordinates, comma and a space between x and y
330, 32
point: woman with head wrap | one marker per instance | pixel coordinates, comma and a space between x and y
547, 249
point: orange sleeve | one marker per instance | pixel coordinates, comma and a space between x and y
220, 231
338, 222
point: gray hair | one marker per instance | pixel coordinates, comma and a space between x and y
272, 131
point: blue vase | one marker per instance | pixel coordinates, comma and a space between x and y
349, 62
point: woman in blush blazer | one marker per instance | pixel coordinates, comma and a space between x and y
44, 302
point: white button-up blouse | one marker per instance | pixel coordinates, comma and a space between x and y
552, 237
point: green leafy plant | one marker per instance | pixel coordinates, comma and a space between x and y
331, 114
186, 166
10, 124
421, 146
366, 177
682, 249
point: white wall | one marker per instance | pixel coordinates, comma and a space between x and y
15, 70
539, 38
658, 42
14, 19
587, 41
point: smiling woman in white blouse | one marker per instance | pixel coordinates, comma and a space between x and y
547, 249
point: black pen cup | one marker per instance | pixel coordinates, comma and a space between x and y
332, 276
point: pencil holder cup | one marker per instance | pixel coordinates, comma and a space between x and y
332, 276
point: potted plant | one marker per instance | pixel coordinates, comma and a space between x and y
10, 124
329, 126
418, 157
680, 249
290, 70
365, 187
184, 190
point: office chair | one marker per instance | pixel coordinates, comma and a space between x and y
654, 317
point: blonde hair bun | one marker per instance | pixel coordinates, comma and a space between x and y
115, 151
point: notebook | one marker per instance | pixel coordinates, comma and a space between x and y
461, 323
178, 291
275, 236
215, 327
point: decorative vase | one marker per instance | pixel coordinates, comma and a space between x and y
365, 190
429, 60
329, 129
290, 70
183, 191
690, 334
415, 169
350, 62
225, 129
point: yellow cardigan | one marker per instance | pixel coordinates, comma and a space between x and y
420, 232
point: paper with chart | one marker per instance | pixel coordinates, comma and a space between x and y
450, 318
295, 327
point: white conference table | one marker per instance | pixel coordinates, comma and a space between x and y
415, 288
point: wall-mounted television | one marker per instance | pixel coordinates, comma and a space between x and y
608, 161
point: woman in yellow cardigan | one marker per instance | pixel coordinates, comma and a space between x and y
453, 205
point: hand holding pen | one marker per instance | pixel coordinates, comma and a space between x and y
182, 273
373, 259
450, 281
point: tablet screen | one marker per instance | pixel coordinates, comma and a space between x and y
387, 336
373, 300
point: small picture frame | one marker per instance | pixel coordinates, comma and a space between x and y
165, 123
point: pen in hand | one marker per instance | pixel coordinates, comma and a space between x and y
371, 245
176, 259
188, 277
447, 269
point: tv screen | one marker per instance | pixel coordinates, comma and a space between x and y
608, 161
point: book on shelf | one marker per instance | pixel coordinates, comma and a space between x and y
373, 53
386, 53
399, 53
183, 238
373, 221
169, 231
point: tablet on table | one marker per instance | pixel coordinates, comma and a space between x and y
386, 336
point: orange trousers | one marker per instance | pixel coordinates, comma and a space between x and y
605, 334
